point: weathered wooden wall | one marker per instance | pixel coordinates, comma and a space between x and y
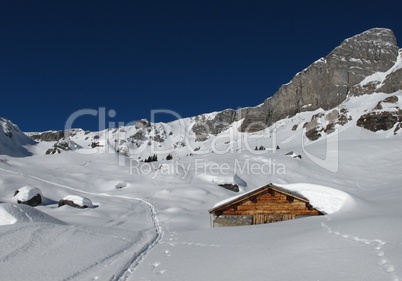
272, 204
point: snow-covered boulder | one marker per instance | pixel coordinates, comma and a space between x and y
120, 185
29, 195
76, 202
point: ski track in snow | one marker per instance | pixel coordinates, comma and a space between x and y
379, 244
140, 255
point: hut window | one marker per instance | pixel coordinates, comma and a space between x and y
290, 198
271, 192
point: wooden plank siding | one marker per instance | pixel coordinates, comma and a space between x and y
268, 204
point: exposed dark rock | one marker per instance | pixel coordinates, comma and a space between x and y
313, 134
48, 136
330, 128
398, 127
315, 128
28, 195
53, 150
158, 138
230, 186
294, 128
54, 135
179, 144
392, 83
33, 202
143, 123
382, 120
139, 135
391, 99
201, 138
221, 122
378, 106
95, 144
293, 155
63, 202
62, 145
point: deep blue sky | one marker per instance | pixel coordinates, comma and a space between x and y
193, 57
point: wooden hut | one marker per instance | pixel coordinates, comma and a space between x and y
266, 204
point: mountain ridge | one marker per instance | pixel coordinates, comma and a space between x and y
367, 63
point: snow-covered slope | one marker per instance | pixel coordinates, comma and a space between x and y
12, 140
156, 225
150, 220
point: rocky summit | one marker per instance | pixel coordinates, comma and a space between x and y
328, 81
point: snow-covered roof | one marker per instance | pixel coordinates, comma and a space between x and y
256, 192
325, 199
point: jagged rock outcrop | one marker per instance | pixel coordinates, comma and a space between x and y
380, 120
48, 136
54, 135
143, 123
327, 82
384, 116
392, 83
219, 123
62, 145
325, 123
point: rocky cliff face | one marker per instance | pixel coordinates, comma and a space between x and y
54, 135
328, 81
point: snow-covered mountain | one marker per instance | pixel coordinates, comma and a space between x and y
367, 65
333, 134
13, 140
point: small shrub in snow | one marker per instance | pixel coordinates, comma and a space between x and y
151, 158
